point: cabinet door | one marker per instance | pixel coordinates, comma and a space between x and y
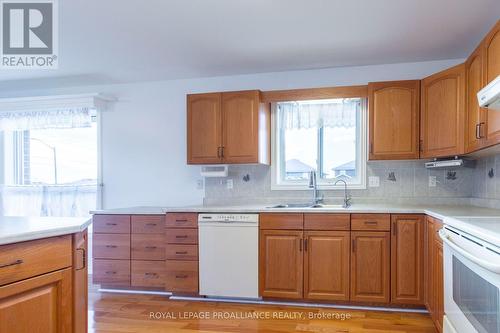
38, 305
204, 134
442, 113
476, 117
370, 266
407, 255
393, 112
240, 126
491, 71
326, 265
428, 263
438, 284
281, 263
80, 282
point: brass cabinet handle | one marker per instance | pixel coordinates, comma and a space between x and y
181, 236
151, 247
14, 263
110, 223
151, 274
222, 152
84, 259
305, 244
181, 221
110, 272
219, 155
300, 244
181, 252
371, 222
111, 246
184, 276
151, 224
394, 228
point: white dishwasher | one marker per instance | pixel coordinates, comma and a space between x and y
229, 255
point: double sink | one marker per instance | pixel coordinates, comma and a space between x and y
307, 205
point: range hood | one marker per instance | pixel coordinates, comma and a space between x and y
450, 163
489, 96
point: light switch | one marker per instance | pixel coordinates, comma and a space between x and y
432, 181
229, 184
374, 181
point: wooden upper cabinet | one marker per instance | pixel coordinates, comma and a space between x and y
491, 65
393, 115
407, 259
475, 116
370, 266
204, 135
281, 264
442, 113
228, 128
326, 265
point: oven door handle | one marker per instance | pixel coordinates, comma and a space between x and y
491, 267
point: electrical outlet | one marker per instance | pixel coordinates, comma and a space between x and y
229, 184
199, 184
432, 181
374, 181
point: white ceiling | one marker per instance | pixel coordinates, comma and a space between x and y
115, 41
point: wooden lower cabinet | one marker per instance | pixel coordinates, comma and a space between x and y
37, 305
281, 264
407, 256
80, 282
370, 266
434, 291
326, 265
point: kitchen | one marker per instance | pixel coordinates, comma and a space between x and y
233, 187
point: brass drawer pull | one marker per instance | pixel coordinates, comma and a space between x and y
151, 274
111, 246
110, 272
14, 263
151, 247
184, 276
181, 252
181, 221
111, 223
371, 222
151, 224
181, 236
84, 258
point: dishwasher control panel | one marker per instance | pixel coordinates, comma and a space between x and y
228, 218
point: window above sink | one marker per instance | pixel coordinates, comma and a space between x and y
327, 136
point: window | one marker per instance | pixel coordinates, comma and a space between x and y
327, 136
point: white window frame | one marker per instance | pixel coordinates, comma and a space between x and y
282, 185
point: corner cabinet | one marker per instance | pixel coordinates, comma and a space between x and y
475, 116
393, 116
228, 128
442, 113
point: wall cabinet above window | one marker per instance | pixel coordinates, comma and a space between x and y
228, 128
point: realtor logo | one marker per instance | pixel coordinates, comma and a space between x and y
29, 34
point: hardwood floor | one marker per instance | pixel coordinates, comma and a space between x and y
126, 313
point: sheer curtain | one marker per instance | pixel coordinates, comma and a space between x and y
58, 112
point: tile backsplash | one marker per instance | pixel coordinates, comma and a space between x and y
400, 181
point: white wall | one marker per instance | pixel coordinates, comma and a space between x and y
144, 133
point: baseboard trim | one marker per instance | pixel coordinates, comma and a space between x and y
296, 304
126, 291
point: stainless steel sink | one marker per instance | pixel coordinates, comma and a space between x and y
306, 205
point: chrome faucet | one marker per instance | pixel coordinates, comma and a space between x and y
347, 197
313, 184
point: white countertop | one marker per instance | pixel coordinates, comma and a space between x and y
15, 229
481, 222
139, 210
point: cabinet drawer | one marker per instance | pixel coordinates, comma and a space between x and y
111, 246
111, 272
182, 236
111, 224
327, 221
23, 260
147, 224
281, 221
182, 252
145, 273
379, 222
182, 220
181, 276
148, 246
